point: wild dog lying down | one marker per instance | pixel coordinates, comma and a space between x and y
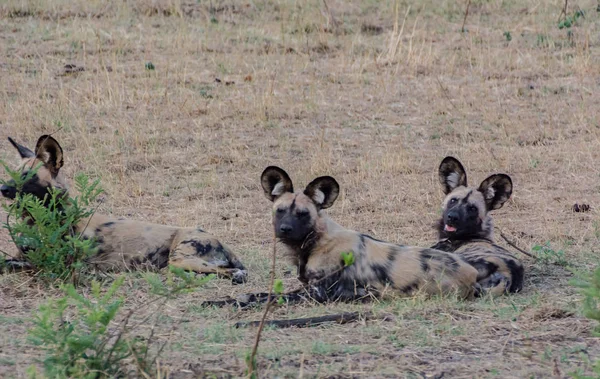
316, 243
466, 227
125, 244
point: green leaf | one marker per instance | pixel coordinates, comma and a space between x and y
348, 258
278, 286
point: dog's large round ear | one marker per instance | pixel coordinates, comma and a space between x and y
275, 182
323, 191
496, 190
24, 152
49, 151
452, 174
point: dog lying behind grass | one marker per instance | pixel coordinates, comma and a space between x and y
466, 228
317, 244
125, 244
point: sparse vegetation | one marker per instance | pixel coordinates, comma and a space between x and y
376, 101
546, 254
91, 337
590, 288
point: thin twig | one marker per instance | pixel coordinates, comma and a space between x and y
333, 21
445, 92
563, 12
340, 318
119, 335
515, 246
90, 219
6, 254
462, 29
252, 358
10, 233
162, 347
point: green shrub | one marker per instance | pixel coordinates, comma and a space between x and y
92, 337
45, 230
82, 346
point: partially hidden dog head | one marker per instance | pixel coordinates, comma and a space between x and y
48, 159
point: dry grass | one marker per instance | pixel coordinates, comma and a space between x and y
373, 96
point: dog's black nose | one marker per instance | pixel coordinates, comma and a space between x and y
8, 191
285, 228
452, 216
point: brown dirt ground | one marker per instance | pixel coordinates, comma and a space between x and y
338, 92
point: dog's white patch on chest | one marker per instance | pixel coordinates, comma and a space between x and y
319, 197
278, 189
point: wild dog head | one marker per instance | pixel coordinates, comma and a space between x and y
296, 214
465, 209
48, 158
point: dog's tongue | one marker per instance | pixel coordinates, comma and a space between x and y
449, 228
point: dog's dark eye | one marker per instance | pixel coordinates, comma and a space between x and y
453, 200
280, 210
302, 213
472, 208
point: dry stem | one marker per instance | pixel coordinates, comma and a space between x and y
462, 29
252, 358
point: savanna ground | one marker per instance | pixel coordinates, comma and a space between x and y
323, 89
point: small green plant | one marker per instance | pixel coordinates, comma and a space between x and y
90, 336
278, 291
348, 258
82, 346
508, 36
46, 230
542, 40
149, 66
205, 92
590, 288
547, 255
570, 20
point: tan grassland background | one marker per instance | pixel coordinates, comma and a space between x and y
374, 93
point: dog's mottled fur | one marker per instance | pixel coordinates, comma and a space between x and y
127, 244
466, 227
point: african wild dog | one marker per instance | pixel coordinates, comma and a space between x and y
466, 227
127, 244
315, 243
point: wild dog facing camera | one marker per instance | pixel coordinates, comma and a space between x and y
295, 214
465, 208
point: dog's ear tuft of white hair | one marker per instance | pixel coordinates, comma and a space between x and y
275, 182
496, 190
452, 174
323, 191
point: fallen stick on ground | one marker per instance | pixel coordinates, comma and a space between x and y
340, 318
515, 246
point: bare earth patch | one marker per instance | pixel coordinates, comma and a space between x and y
179, 105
